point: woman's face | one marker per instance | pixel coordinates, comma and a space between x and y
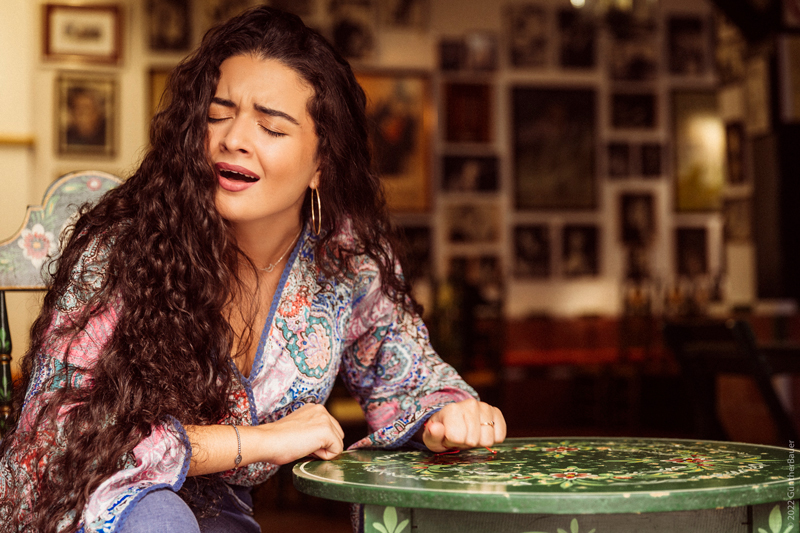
262, 142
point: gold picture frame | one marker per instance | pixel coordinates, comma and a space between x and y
83, 33
400, 115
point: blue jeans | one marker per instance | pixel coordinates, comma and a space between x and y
163, 511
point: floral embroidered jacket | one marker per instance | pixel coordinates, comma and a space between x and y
316, 328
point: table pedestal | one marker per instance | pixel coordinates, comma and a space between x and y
764, 518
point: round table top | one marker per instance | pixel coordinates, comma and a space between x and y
560, 475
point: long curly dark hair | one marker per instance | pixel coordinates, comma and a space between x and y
169, 269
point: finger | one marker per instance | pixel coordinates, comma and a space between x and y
433, 436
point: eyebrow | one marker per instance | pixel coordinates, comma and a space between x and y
260, 108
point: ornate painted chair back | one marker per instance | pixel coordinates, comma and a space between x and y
24, 254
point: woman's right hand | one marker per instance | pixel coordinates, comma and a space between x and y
310, 430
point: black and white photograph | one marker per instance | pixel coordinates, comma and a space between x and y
577, 39
170, 25
633, 111
687, 45
470, 174
691, 251
527, 33
352, 31
532, 251
651, 160
637, 218
619, 160
634, 51
580, 247
473, 223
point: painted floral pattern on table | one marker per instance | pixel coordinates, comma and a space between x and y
581, 464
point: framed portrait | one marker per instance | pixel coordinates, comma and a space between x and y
470, 173
405, 14
637, 218
737, 218
158, 97
468, 112
554, 147
699, 153
85, 114
527, 30
472, 223
730, 48
452, 54
577, 37
734, 152
419, 252
532, 251
580, 246
691, 251
619, 160
633, 111
634, 53
688, 45
169, 27
481, 50
86, 33
400, 115
651, 160
352, 31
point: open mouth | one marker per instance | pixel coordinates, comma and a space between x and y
237, 176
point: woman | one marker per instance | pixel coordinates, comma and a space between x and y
148, 368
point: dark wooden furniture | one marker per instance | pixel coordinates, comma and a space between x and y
706, 348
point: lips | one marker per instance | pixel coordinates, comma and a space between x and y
234, 178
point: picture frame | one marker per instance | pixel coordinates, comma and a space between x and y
470, 173
400, 115
651, 160
554, 148
580, 247
82, 33
637, 218
730, 48
634, 111
734, 152
169, 27
691, 251
452, 54
85, 114
527, 31
473, 222
619, 160
352, 31
481, 274
532, 251
468, 112
481, 51
634, 52
737, 219
419, 252
157, 87
405, 14
698, 153
688, 45
577, 39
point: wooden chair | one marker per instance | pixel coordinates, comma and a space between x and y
706, 348
24, 254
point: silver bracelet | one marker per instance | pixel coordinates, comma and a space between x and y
239, 447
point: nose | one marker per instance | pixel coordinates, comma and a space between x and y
236, 137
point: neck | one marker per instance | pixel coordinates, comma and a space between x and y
265, 246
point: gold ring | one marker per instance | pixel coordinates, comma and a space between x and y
488, 423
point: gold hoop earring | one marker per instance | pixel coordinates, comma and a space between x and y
316, 218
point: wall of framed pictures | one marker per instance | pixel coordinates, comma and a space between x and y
554, 155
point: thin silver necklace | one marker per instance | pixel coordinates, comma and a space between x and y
271, 266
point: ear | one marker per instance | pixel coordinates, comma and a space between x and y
314, 183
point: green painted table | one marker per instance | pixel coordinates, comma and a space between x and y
556, 485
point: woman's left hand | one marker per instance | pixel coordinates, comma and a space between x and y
462, 425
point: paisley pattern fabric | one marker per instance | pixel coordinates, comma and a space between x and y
316, 328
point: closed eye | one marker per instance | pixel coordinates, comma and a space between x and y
215, 120
273, 133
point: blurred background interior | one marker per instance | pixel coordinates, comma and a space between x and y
591, 191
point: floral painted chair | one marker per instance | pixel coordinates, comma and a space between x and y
23, 255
